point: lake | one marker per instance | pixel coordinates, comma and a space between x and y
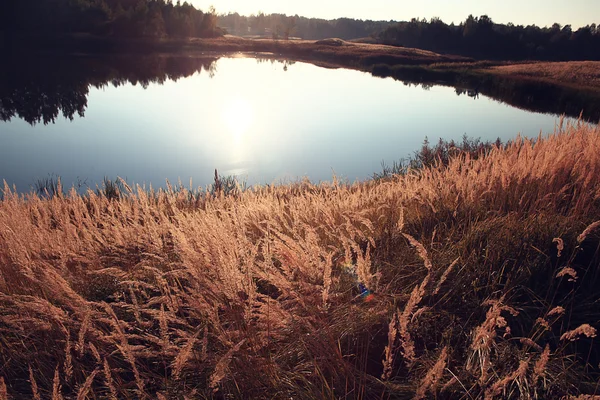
150, 119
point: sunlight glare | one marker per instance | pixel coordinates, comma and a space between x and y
237, 116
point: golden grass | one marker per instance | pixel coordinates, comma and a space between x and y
257, 295
579, 74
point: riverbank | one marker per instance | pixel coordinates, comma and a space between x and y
335, 53
583, 75
476, 278
533, 92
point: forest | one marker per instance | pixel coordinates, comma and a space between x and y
482, 38
477, 37
283, 26
119, 18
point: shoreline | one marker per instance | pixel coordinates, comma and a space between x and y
331, 53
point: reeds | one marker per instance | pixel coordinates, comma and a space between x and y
449, 273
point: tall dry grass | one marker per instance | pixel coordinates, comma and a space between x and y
575, 73
441, 282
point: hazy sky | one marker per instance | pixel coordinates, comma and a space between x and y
540, 12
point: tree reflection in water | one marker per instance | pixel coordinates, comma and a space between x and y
38, 89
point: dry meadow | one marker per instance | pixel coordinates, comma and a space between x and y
474, 279
578, 74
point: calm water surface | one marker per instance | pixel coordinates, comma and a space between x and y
264, 121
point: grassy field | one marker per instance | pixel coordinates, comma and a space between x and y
336, 49
578, 74
475, 278
337, 52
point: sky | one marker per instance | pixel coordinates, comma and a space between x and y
577, 13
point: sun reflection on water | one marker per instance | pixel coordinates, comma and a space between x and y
238, 116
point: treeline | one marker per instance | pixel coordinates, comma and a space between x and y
127, 18
283, 26
480, 37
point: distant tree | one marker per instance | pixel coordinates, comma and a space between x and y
208, 26
289, 27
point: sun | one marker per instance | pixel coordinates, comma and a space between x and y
237, 116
